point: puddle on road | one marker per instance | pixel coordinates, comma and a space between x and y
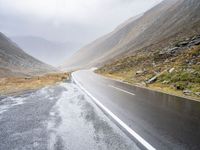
76, 123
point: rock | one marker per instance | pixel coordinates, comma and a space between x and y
173, 86
172, 50
167, 61
197, 93
192, 62
155, 72
187, 92
190, 70
187, 61
197, 42
139, 72
154, 64
162, 52
168, 51
195, 37
184, 43
171, 70
165, 82
152, 80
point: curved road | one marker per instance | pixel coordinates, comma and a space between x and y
59, 117
63, 117
164, 121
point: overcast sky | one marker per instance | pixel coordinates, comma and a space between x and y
77, 21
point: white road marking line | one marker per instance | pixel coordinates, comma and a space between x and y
121, 90
126, 127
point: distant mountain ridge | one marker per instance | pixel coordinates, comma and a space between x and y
51, 52
15, 62
165, 23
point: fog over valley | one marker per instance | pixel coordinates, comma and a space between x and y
100, 74
70, 23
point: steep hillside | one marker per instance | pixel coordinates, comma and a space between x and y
166, 23
45, 50
15, 62
88, 55
174, 69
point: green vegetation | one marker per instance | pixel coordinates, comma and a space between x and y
176, 69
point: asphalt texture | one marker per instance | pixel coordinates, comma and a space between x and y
166, 122
59, 117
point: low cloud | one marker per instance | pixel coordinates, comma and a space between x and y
67, 20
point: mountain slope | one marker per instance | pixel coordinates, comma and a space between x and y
165, 23
166, 56
15, 62
85, 56
45, 50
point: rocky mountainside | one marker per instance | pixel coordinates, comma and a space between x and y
174, 69
15, 62
46, 50
162, 26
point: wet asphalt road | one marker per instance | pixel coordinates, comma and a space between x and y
60, 117
164, 121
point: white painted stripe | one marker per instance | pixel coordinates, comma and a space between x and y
121, 90
126, 127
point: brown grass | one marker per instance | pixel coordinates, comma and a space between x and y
20, 84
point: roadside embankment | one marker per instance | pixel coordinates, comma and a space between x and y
173, 70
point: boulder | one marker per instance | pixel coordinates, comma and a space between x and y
171, 70
152, 80
187, 92
165, 82
139, 72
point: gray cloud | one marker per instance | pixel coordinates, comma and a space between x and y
67, 20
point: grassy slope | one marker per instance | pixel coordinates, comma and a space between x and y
143, 65
19, 84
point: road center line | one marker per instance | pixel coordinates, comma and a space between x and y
121, 123
121, 90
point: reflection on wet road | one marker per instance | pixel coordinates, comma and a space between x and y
165, 121
56, 118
